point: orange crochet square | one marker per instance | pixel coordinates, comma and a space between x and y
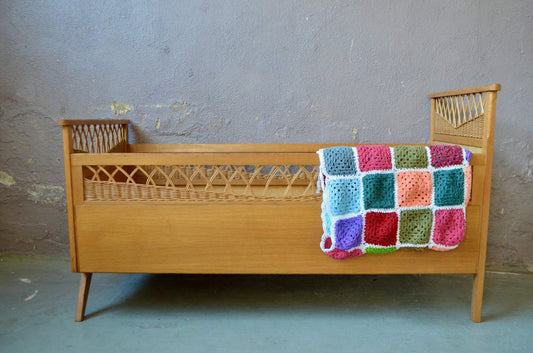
414, 188
468, 180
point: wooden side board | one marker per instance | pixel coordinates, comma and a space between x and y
237, 238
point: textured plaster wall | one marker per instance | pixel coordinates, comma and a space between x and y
255, 71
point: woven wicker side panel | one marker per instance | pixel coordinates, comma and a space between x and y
200, 183
460, 115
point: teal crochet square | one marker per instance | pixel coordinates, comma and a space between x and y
379, 190
410, 157
344, 196
340, 161
449, 187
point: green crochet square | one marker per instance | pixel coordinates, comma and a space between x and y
378, 190
410, 157
415, 226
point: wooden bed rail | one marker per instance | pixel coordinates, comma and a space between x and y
480, 89
70, 122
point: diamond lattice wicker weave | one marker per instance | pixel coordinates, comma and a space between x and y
461, 115
200, 182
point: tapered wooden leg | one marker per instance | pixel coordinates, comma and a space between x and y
85, 283
477, 296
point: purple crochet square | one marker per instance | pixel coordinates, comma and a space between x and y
468, 155
348, 232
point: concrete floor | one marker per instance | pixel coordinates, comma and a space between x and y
184, 313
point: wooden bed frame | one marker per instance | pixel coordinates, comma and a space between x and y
245, 208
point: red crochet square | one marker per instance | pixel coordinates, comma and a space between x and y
381, 228
374, 158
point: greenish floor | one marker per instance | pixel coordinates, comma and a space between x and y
185, 313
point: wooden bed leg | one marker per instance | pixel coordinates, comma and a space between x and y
85, 283
477, 296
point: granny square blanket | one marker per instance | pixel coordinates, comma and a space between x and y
378, 199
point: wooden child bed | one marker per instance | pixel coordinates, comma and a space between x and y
245, 208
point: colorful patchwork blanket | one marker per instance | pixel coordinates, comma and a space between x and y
377, 199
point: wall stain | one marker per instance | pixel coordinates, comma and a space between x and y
120, 108
183, 108
6, 179
355, 132
46, 194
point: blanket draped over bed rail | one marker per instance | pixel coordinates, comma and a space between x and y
377, 199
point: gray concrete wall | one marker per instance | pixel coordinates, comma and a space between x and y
255, 71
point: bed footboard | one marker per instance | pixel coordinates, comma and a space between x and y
250, 208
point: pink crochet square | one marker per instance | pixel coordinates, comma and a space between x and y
414, 188
374, 157
450, 226
339, 254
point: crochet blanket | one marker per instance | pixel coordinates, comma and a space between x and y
377, 199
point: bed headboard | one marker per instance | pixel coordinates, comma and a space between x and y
465, 117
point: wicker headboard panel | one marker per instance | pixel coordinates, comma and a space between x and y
95, 136
464, 116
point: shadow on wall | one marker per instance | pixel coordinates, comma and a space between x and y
510, 223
